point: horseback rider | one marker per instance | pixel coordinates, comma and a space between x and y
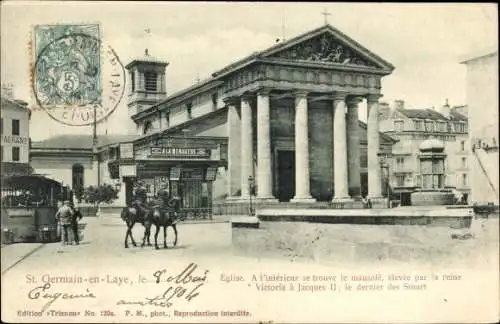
164, 197
140, 196
168, 201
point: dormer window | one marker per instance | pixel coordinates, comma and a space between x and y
151, 81
399, 125
418, 124
429, 125
189, 107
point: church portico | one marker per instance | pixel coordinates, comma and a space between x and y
278, 154
291, 119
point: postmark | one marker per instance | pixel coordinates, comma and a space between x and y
76, 78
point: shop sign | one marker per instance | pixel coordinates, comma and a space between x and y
15, 140
127, 150
178, 152
128, 170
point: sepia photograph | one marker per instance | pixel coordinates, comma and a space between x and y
249, 162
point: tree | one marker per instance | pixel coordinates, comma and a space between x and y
78, 192
104, 193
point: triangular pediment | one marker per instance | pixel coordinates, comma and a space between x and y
329, 46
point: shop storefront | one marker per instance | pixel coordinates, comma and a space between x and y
186, 168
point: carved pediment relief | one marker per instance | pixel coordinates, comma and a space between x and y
324, 48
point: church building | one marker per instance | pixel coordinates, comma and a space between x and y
290, 114
284, 119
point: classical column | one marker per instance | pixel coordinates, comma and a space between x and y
234, 148
374, 176
340, 149
353, 147
264, 173
302, 190
246, 146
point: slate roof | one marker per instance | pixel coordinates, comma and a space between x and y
422, 114
431, 114
146, 58
8, 102
457, 116
77, 141
479, 54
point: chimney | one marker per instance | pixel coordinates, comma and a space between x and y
445, 109
399, 104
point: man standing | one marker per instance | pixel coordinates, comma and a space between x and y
64, 216
77, 215
141, 194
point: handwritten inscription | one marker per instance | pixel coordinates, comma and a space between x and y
45, 293
186, 285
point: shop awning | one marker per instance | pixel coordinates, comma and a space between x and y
10, 169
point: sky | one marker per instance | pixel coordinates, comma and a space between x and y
425, 42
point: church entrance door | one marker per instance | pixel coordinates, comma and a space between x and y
286, 175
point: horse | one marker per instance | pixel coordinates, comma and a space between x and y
137, 214
165, 218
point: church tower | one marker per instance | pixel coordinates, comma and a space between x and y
147, 85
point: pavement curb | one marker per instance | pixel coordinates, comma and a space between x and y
19, 259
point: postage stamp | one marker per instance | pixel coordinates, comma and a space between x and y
68, 73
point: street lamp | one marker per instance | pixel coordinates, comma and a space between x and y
384, 166
250, 189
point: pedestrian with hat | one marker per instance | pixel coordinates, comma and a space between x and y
64, 215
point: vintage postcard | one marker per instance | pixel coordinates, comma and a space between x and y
249, 162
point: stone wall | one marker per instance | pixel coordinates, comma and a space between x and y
334, 243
